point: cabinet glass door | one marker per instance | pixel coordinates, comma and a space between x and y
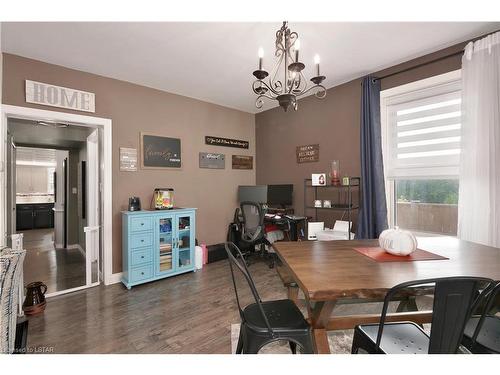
185, 241
165, 245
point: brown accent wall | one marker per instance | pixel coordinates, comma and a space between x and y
334, 123
133, 109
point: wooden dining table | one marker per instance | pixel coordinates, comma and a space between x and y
333, 272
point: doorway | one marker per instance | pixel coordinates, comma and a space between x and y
50, 205
90, 241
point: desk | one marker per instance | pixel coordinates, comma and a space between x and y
332, 271
292, 225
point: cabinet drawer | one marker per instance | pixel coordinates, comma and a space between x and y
139, 257
141, 240
141, 223
141, 273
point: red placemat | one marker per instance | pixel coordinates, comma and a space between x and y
380, 255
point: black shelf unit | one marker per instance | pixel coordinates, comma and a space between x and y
352, 188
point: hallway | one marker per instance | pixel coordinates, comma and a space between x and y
59, 269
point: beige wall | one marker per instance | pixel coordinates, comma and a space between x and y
133, 109
333, 123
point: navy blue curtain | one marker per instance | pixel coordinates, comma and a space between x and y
372, 217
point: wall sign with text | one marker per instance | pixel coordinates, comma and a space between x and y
57, 96
226, 142
242, 162
211, 160
160, 152
307, 153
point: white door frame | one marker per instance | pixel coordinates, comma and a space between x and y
9, 111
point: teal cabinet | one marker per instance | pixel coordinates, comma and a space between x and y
157, 244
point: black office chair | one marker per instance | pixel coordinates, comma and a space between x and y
266, 322
253, 232
454, 298
482, 333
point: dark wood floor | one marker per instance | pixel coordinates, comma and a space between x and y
189, 313
59, 269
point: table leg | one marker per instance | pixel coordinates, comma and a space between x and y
320, 317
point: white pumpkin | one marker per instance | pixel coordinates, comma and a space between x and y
397, 241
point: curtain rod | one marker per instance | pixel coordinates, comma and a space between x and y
419, 65
435, 60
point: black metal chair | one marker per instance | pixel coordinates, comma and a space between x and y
453, 301
482, 333
253, 230
266, 322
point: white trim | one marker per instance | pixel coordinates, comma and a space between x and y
83, 120
77, 246
115, 278
59, 292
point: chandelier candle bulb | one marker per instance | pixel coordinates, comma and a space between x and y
316, 61
297, 48
261, 55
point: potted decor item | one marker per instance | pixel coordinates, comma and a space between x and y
397, 241
35, 303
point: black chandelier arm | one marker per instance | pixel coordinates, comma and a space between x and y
273, 81
259, 102
258, 83
320, 93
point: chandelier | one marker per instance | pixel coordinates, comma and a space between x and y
286, 83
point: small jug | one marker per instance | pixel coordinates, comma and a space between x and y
34, 302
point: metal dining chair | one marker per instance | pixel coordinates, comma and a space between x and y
269, 321
482, 332
453, 301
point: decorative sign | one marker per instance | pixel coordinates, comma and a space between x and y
128, 159
242, 162
227, 142
57, 96
307, 153
160, 152
212, 160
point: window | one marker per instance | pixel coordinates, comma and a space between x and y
421, 136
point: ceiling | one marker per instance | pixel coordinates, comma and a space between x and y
214, 61
26, 132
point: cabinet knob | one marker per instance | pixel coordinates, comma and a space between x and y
142, 256
142, 240
142, 273
142, 223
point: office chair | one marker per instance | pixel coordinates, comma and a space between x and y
253, 232
453, 301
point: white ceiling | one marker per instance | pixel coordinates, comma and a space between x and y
214, 61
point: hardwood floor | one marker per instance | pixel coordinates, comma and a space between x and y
189, 313
59, 269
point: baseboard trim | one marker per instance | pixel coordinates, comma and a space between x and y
77, 246
114, 278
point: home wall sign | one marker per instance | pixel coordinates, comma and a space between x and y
307, 153
212, 160
242, 162
226, 142
58, 96
128, 159
160, 152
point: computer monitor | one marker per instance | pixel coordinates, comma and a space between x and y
280, 195
252, 193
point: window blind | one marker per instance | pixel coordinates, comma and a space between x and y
424, 133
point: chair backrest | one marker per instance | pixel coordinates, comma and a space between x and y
453, 301
253, 221
491, 298
239, 263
